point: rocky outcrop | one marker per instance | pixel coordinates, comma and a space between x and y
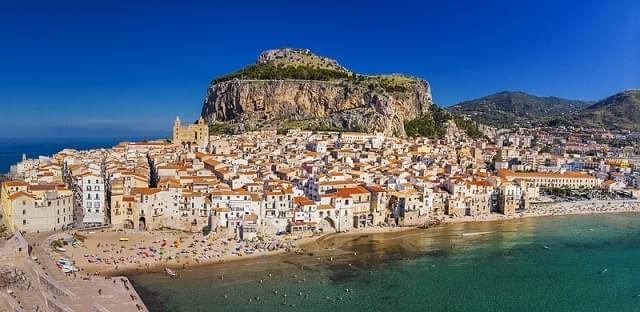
297, 56
366, 103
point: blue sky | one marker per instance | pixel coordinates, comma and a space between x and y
127, 68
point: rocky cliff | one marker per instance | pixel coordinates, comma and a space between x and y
271, 94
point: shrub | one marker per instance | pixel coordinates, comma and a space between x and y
269, 71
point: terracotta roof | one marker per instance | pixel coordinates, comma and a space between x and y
144, 191
20, 194
300, 200
16, 183
348, 192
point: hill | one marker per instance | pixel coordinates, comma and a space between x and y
619, 111
297, 88
517, 109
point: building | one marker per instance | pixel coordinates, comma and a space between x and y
407, 207
193, 137
92, 194
509, 198
572, 180
36, 208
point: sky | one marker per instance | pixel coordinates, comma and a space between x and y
128, 68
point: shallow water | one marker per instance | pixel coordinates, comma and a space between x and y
562, 263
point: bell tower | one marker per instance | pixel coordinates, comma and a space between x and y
176, 131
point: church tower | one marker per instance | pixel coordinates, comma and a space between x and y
176, 131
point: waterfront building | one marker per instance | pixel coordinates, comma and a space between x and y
36, 208
572, 180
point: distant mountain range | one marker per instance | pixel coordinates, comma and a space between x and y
519, 109
619, 111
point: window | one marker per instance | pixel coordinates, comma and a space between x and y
24, 212
88, 187
97, 205
88, 204
24, 222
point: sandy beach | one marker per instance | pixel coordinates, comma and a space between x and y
103, 252
113, 252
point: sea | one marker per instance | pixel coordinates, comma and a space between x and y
560, 263
11, 149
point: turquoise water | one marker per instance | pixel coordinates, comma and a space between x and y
564, 263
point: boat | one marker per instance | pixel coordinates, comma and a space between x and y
171, 272
124, 239
475, 233
61, 249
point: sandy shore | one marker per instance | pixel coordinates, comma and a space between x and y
103, 253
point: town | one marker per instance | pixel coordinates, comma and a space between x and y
260, 184
201, 199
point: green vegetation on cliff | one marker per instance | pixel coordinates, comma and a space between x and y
271, 71
468, 126
219, 129
280, 71
432, 126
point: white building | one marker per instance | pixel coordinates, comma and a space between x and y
93, 195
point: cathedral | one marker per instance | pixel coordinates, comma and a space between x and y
194, 137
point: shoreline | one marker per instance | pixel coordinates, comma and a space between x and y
301, 244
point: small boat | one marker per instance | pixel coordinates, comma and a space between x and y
475, 233
546, 247
61, 249
124, 239
171, 272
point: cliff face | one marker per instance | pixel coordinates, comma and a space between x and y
366, 103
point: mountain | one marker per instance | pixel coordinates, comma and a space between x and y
517, 109
297, 88
619, 111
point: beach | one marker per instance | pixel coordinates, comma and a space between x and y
101, 255
116, 252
